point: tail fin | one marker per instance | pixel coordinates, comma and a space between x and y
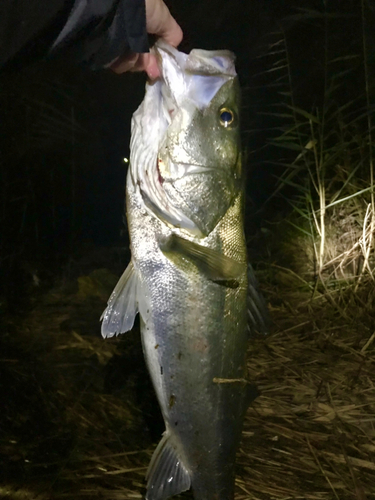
167, 474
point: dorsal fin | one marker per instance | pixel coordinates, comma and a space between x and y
167, 474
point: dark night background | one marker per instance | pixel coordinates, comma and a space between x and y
65, 129
67, 397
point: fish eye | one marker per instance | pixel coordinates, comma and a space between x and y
226, 117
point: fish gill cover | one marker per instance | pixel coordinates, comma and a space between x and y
188, 83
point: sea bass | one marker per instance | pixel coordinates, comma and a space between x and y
188, 272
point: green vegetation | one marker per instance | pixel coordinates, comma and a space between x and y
326, 176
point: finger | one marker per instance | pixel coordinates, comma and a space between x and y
127, 63
160, 22
137, 62
151, 66
148, 63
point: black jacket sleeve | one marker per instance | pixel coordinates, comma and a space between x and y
95, 31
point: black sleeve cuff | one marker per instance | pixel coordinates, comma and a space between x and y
100, 31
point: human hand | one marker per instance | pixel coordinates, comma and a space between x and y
159, 22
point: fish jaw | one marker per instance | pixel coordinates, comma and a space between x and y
179, 144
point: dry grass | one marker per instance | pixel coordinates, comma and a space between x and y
310, 435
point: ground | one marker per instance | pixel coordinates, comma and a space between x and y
79, 418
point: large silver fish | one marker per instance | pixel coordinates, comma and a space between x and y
188, 273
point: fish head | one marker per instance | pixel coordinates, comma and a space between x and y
190, 121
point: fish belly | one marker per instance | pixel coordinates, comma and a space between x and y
195, 347
195, 343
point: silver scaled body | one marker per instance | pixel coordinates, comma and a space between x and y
188, 273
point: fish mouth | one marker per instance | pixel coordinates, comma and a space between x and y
170, 171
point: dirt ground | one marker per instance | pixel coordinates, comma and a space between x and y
79, 418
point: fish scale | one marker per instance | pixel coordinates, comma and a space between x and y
188, 273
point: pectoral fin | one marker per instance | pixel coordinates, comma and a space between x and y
217, 267
126, 300
167, 474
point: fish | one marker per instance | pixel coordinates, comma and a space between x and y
188, 275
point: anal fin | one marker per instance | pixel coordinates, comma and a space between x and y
167, 474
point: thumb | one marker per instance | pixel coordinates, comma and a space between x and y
160, 22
